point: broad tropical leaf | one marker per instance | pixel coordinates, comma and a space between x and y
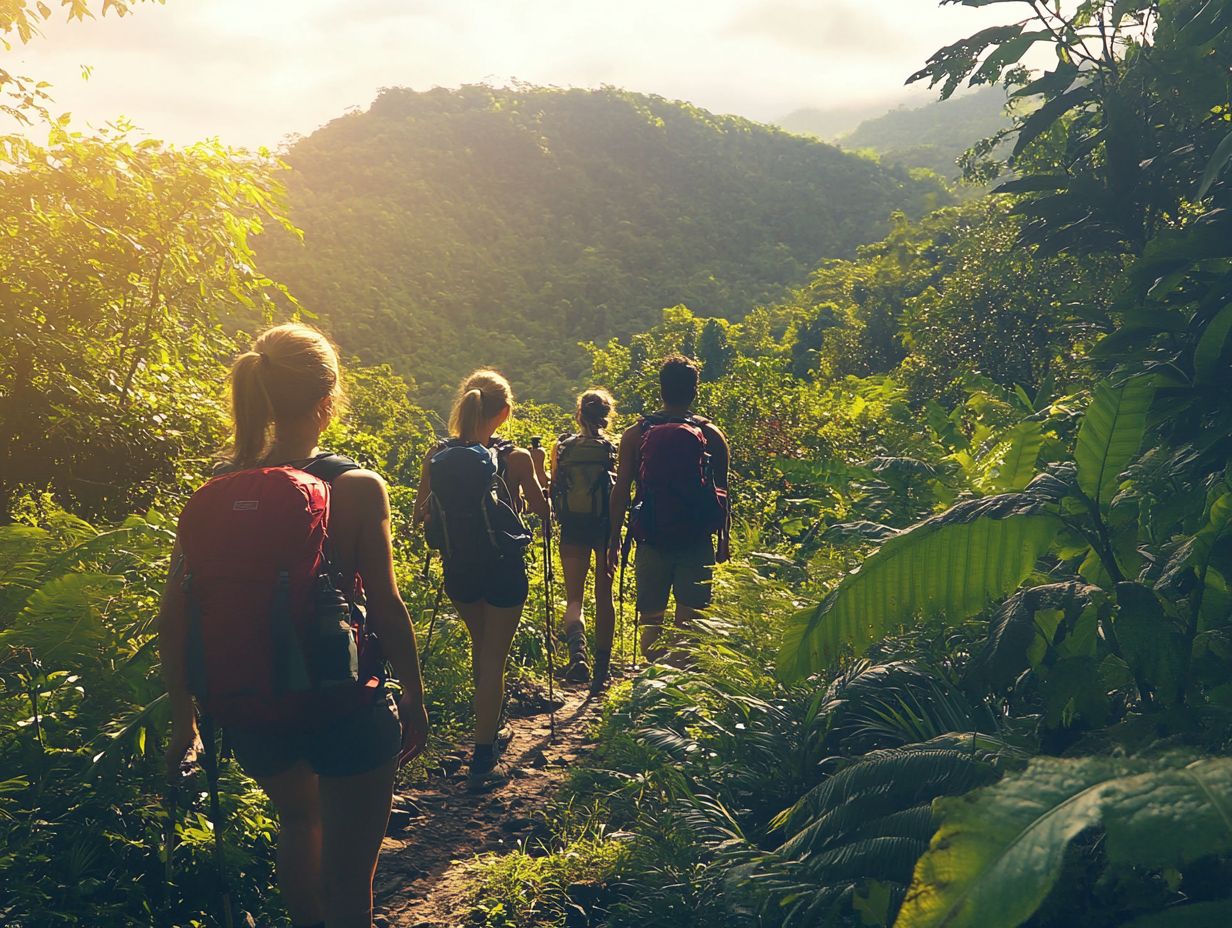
999, 850
1214, 167
1209, 349
1196, 551
1110, 435
1015, 457
1154, 650
951, 565
1014, 628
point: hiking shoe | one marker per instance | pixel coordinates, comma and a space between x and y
486, 774
503, 736
602, 672
578, 670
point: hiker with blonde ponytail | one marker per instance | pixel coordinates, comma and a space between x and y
263, 629
473, 488
583, 472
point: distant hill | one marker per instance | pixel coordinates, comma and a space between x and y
932, 136
452, 228
830, 122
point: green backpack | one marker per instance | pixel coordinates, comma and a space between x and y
582, 482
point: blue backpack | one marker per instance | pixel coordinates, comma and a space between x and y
470, 513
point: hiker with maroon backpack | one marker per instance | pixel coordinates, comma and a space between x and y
263, 626
472, 491
583, 471
679, 461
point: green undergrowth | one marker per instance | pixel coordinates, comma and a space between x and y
622, 844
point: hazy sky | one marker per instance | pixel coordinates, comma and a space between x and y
251, 71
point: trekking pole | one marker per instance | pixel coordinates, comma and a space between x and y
210, 762
623, 627
436, 608
625, 545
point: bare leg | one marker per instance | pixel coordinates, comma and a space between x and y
499, 626
652, 630
354, 815
684, 619
605, 610
686, 615
294, 794
576, 563
474, 618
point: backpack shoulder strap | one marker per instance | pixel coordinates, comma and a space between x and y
329, 467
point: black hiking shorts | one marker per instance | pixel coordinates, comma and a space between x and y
342, 746
501, 583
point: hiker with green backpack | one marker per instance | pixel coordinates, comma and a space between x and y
681, 518
583, 472
472, 492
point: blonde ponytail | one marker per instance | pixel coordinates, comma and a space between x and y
250, 410
284, 378
481, 397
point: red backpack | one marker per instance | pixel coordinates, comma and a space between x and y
273, 637
677, 500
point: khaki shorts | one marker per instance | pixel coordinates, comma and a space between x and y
687, 571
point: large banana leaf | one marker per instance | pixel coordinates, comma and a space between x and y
1110, 435
1000, 849
1015, 457
951, 565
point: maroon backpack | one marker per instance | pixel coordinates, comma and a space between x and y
677, 500
274, 637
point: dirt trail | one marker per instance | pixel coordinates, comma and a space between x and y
438, 826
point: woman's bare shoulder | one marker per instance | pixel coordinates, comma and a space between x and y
519, 458
360, 486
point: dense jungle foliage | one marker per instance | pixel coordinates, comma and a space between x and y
972, 662
530, 219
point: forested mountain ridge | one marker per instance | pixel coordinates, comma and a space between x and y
451, 228
933, 136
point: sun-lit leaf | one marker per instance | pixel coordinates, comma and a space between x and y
951, 565
999, 850
1110, 435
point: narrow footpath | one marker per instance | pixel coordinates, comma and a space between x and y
438, 827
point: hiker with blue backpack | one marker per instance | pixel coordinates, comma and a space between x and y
472, 492
583, 472
681, 518
277, 619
